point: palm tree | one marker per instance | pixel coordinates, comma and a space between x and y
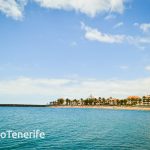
103, 101
67, 101
86, 102
82, 101
60, 101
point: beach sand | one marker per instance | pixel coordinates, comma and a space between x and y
107, 107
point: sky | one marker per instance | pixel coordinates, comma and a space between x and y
73, 48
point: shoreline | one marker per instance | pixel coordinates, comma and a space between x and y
107, 107
22, 105
142, 108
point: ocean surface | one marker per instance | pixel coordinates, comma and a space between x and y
76, 129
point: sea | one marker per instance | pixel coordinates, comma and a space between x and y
76, 129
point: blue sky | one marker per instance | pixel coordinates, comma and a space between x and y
73, 49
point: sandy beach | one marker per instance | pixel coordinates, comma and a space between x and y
108, 107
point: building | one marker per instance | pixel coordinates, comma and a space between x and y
146, 100
113, 101
134, 100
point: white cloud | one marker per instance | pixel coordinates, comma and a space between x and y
31, 86
88, 7
12, 8
119, 24
110, 16
94, 34
72, 88
145, 27
139, 41
147, 68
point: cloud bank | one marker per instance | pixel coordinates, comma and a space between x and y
72, 88
14, 8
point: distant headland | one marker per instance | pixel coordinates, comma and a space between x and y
22, 105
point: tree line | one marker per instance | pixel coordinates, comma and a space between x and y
131, 100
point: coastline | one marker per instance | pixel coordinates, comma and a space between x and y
107, 107
22, 105
142, 108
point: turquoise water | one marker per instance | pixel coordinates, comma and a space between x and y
77, 129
